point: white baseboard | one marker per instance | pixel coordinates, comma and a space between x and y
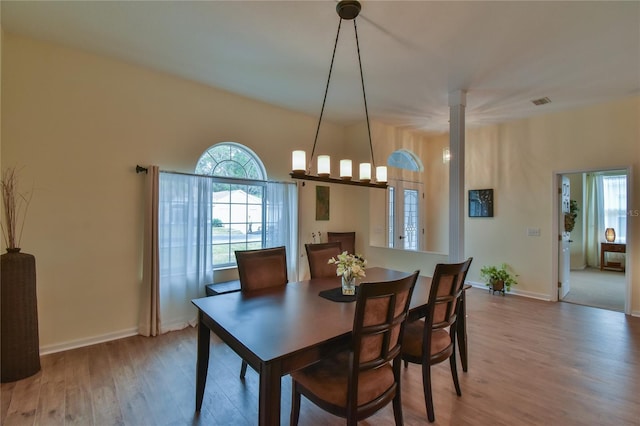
73, 344
514, 291
532, 295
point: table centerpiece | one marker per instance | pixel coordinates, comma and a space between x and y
350, 267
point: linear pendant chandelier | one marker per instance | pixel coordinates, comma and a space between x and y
349, 10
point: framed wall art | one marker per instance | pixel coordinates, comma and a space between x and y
322, 203
481, 203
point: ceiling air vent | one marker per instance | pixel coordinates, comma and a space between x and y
541, 101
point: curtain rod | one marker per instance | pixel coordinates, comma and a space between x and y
140, 169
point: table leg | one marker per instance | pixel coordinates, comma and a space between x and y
270, 393
202, 364
461, 331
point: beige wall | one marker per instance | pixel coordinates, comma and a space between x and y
79, 124
520, 160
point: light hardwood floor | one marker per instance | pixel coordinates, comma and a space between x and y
530, 363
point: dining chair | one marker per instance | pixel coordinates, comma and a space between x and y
261, 269
318, 256
348, 240
432, 340
356, 383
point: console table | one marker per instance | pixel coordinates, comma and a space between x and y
611, 248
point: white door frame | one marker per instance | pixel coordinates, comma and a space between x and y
564, 238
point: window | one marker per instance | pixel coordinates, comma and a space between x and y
404, 159
238, 205
236, 220
404, 220
410, 219
228, 159
605, 206
615, 205
204, 218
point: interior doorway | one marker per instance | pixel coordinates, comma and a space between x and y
592, 270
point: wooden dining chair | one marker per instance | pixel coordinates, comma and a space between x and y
261, 269
432, 340
318, 256
356, 383
347, 239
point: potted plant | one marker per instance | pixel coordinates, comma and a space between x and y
498, 278
19, 344
570, 218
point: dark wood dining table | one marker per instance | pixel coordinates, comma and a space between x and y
282, 330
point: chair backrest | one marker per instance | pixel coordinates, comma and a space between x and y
381, 312
347, 239
263, 268
319, 255
444, 295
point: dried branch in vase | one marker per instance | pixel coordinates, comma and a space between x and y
15, 204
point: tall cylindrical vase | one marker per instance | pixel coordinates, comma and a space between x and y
20, 345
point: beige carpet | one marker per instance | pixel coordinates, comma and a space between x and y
602, 289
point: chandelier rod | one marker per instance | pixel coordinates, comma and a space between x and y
349, 10
364, 95
324, 100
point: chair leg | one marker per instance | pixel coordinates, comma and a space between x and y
243, 369
454, 364
426, 385
295, 405
397, 408
454, 372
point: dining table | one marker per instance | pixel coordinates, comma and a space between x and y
280, 330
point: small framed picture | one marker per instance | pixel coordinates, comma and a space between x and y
481, 203
322, 203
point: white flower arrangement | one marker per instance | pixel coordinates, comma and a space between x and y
349, 265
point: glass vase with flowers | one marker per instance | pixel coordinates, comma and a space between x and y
350, 267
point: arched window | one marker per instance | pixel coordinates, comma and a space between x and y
404, 159
238, 206
229, 159
204, 218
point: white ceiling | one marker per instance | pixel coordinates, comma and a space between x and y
504, 54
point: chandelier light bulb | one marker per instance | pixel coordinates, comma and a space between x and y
324, 165
365, 172
345, 170
298, 162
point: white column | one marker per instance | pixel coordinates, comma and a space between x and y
457, 103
